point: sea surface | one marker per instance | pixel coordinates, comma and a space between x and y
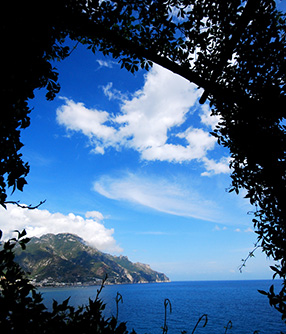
222, 301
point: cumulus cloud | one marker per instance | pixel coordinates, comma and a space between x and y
38, 222
159, 194
149, 122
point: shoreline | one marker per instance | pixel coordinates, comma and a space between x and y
87, 284
99, 283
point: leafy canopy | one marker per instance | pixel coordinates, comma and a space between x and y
233, 49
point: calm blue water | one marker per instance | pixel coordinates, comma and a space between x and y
143, 306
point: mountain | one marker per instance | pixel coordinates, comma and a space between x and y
66, 259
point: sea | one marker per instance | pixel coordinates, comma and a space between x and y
233, 307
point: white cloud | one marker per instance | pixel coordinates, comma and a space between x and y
149, 122
162, 104
38, 222
198, 143
76, 117
159, 194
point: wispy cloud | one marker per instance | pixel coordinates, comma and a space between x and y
247, 230
38, 222
113, 93
218, 228
152, 233
106, 63
159, 194
154, 122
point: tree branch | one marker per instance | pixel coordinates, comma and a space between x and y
136, 50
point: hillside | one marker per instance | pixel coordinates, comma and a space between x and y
66, 259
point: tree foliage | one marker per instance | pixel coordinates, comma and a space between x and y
233, 49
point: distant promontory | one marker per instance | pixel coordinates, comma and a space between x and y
65, 259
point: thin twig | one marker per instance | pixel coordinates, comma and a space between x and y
118, 299
250, 254
75, 46
101, 287
166, 303
228, 326
200, 319
30, 207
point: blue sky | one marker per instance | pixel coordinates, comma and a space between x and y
127, 162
